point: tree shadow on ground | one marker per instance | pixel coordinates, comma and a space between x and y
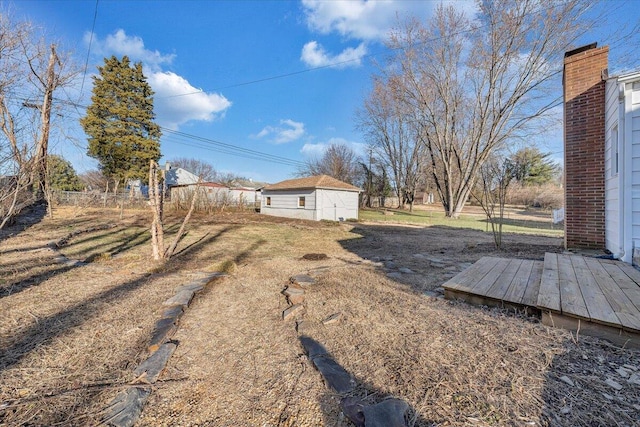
527, 223
355, 397
24, 220
61, 323
92, 254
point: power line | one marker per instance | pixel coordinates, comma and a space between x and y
209, 144
86, 62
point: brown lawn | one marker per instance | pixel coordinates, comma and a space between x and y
72, 334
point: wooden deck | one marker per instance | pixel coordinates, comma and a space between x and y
594, 296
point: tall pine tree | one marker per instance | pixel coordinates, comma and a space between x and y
119, 122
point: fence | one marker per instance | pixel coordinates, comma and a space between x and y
99, 199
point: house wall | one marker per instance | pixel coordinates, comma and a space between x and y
622, 167
285, 204
632, 163
584, 101
611, 176
336, 205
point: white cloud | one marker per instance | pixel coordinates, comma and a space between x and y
364, 20
288, 131
314, 55
368, 19
314, 151
120, 44
176, 101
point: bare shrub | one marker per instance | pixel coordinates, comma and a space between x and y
547, 196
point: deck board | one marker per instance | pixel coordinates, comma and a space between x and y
465, 280
571, 299
483, 285
580, 293
624, 308
530, 297
549, 294
504, 280
519, 285
595, 300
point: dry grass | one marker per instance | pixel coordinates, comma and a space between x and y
71, 337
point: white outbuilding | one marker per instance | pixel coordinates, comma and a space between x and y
314, 198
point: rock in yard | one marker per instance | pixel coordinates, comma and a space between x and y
567, 380
173, 312
293, 290
613, 384
405, 270
295, 299
149, 370
388, 413
622, 372
394, 275
634, 379
183, 297
163, 330
292, 311
302, 279
333, 319
390, 265
126, 407
195, 287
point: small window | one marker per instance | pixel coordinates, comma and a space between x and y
301, 202
268, 202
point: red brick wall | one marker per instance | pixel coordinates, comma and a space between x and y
584, 133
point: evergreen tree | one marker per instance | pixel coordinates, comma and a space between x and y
532, 167
119, 122
61, 174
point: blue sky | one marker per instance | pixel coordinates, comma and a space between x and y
255, 75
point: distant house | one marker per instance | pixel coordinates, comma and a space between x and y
216, 194
314, 198
178, 176
602, 155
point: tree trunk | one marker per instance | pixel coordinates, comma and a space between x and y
42, 146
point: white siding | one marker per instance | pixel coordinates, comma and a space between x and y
337, 205
333, 205
285, 203
633, 112
612, 203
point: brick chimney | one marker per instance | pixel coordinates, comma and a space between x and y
585, 71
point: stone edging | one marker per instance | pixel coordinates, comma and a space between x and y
125, 409
389, 412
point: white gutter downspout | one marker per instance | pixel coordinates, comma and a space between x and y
621, 171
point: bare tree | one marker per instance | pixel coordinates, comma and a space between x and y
491, 192
338, 161
157, 191
474, 85
392, 133
198, 167
30, 73
94, 180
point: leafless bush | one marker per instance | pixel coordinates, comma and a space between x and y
547, 196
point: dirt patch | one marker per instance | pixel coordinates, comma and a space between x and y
437, 253
71, 336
